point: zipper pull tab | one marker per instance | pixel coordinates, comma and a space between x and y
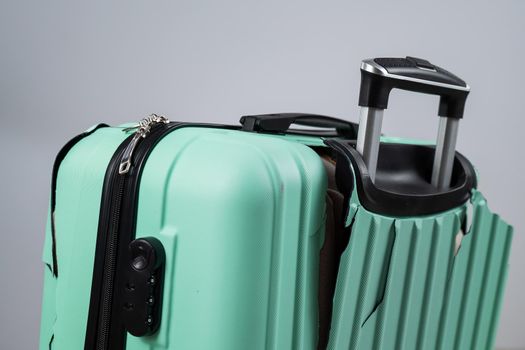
125, 163
142, 130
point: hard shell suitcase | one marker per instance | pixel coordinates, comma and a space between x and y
426, 262
168, 235
240, 217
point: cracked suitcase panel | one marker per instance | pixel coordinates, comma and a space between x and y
403, 286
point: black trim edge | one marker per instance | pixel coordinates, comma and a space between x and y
385, 202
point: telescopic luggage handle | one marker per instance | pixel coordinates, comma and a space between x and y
281, 122
379, 76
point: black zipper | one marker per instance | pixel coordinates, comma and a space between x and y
117, 222
105, 329
109, 268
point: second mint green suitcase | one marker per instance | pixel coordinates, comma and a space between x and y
426, 261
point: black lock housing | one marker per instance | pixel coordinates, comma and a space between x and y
142, 292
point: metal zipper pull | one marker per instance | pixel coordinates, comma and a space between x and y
142, 130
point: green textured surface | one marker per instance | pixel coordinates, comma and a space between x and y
304, 139
241, 218
79, 187
400, 286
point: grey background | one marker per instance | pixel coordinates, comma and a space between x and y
66, 65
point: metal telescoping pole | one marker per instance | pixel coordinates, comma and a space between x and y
445, 152
368, 137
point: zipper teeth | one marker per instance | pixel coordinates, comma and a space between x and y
109, 269
111, 249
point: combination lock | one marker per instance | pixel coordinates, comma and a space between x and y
142, 294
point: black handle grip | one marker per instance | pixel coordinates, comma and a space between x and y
380, 75
281, 122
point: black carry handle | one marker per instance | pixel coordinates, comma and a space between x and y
380, 75
281, 122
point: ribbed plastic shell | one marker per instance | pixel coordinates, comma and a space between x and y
401, 286
241, 218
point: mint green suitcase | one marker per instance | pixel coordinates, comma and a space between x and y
240, 217
168, 235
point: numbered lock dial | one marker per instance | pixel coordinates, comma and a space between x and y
142, 294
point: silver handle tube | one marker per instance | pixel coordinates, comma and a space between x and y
368, 137
379, 76
445, 152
